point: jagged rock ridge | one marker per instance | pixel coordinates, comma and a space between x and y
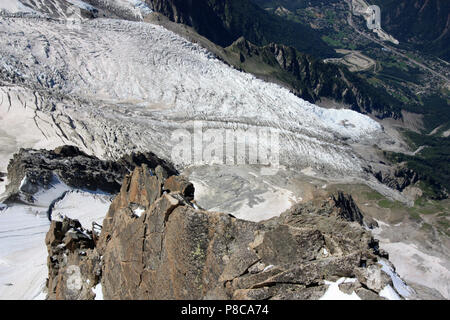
30, 170
312, 79
156, 244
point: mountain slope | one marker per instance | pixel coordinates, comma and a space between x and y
423, 23
223, 22
310, 78
316, 81
111, 100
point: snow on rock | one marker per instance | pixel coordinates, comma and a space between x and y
98, 290
86, 207
400, 286
81, 4
389, 293
14, 6
138, 7
138, 211
23, 227
23, 255
334, 293
45, 197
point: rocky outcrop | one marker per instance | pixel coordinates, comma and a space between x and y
313, 80
31, 170
349, 211
398, 177
155, 244
73, 262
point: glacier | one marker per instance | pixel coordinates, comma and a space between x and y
114, 86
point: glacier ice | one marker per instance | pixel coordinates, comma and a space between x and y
115, 86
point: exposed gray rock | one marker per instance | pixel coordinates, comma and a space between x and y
365, 294
373, 278
398, 178
30, 170
174, 251
349, 287
73, 261
349, 211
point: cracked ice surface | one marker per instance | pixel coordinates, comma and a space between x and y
114, 86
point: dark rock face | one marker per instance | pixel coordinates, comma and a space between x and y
155, 245
224, 21
39, 168
422, 23
348, 210
398, 178
312, 79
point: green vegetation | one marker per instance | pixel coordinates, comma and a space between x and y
223, 22
388, 204
373, 195
435, 108
310, 78
332, 42
422, 26
432, 164
444, 225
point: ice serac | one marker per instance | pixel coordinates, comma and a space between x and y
173, 251
113, 87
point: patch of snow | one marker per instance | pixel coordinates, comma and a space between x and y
82, 5
268, 268
400, 286
44, 197
308, 171
23, 227
416, 266
274, 202
14, 6
389, 293
83, 206
138, 211
98, 290
334, 293
23, 252
382, 224
446, 134
138, 7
